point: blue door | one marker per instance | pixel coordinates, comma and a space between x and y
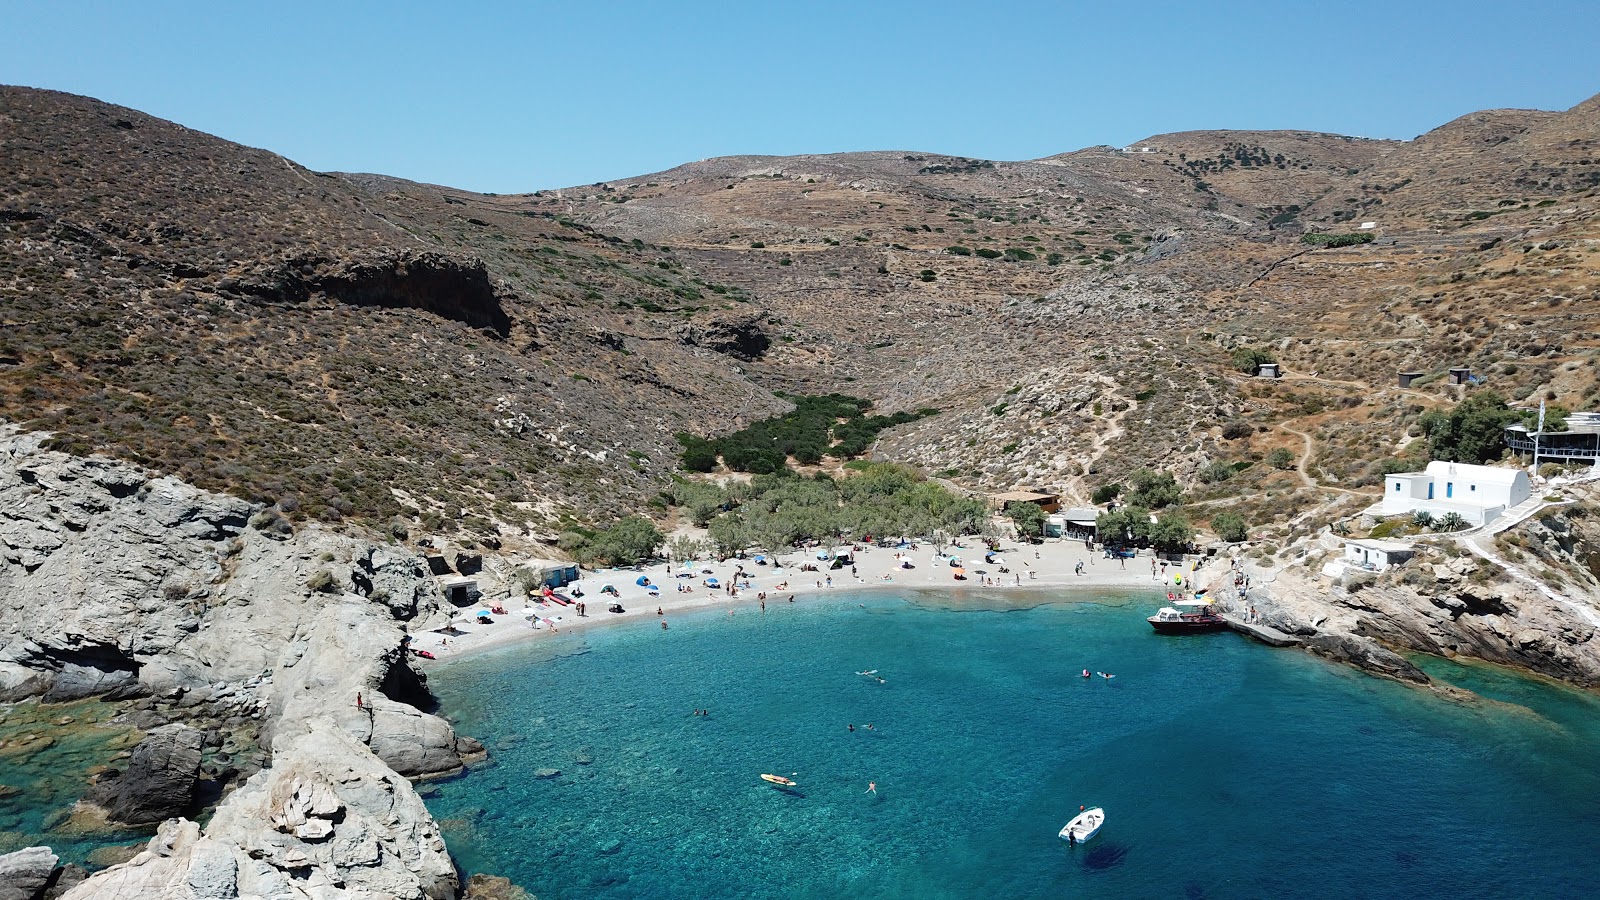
1430, 490
1449, 489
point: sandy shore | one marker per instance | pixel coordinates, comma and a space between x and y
1052, 564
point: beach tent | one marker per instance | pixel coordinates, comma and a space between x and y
711, 582
641, 581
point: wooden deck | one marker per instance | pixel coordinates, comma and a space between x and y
1263, 633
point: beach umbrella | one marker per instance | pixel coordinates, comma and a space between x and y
641, 581
711, 581
483, 612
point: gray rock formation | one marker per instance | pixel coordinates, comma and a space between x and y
113, 581
25, 873
328, 821
160, 778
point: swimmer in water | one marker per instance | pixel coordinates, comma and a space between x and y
872, 787
1086, 673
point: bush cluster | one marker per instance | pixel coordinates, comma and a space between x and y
776, 511
828, 425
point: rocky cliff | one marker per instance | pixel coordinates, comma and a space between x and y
1472, 596
120, 583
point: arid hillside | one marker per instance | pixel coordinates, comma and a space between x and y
362, 347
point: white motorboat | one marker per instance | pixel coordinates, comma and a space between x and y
1084, 826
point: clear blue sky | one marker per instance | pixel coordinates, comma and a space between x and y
507, 97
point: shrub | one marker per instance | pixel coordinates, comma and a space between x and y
1215, 471
988, 253
1423, 518
1450, 521
322, 580
1230, 527
1280, 458
1017, 254
1106, 493
1246, 359
1235, 430
958, 251
1338, 240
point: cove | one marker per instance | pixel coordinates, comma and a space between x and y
1227, 769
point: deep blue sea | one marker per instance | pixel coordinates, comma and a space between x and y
1226, 768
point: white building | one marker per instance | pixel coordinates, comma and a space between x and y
1375, 555
1478, 493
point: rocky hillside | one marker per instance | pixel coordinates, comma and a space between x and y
425, 359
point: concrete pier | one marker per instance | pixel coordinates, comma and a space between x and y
1266, 634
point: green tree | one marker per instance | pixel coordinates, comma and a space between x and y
1280, 458
1230, 526
1246, 359
1106, 493
1214, 471
1153, 490
1028, 517
1471, 431
1172, 532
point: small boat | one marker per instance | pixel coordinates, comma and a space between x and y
778, 780
1194, 617
1083, 826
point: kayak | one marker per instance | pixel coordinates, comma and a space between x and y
778, 779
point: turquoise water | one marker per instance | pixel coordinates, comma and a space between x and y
1227, 769
48, 755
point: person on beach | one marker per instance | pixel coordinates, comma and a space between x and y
658, 611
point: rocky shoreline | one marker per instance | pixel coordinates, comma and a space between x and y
243, 647
1452, 601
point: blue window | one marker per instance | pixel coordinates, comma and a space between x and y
1472, 487
1397, 485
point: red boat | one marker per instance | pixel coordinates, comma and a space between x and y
1195, 617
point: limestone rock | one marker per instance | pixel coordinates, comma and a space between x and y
25, 873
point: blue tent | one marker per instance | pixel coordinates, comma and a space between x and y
642, 581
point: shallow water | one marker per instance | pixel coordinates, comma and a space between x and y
1227, 769
48, 754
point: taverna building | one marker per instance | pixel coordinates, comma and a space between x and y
1478, 493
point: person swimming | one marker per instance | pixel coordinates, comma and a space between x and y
872, 787
1086, 673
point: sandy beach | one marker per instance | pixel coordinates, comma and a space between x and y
1052, 564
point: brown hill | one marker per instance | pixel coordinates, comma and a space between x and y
374, 348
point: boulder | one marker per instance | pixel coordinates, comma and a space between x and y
25, 873
160, 779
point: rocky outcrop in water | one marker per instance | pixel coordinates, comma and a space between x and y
160, 779
122, 583
328, 820
1451, 601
